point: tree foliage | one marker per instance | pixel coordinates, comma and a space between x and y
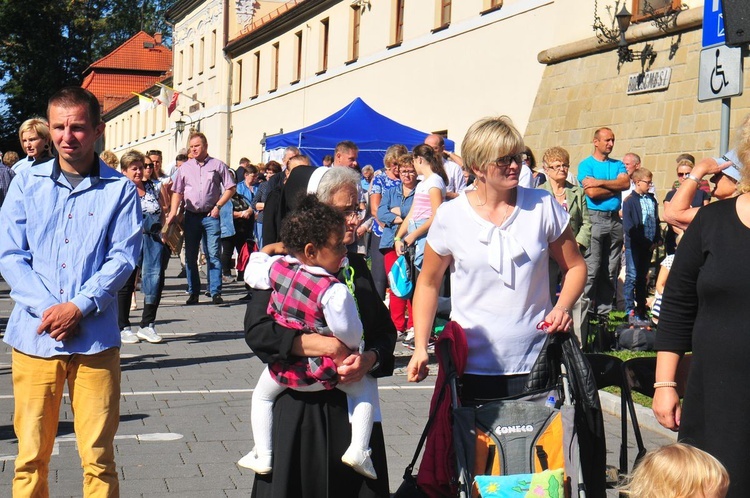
49, 44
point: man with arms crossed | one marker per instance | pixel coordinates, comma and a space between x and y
603, 180
73, 236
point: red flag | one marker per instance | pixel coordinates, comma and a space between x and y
173, 103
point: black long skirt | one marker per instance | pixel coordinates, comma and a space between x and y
311, 432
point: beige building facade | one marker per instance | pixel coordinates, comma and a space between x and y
246, 70
434, 65
582, 90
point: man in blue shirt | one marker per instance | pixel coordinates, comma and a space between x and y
603, 180
73, 235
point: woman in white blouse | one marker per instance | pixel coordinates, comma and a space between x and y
497, 241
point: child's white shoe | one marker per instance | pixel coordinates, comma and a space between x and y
258, 463
360, 460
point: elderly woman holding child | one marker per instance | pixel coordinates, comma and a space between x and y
311, 430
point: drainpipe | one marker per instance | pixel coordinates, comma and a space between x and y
230, 82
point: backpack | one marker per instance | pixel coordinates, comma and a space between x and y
635, 338
399, 278
511, 443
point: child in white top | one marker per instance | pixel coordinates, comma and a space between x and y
307, 296
428, 195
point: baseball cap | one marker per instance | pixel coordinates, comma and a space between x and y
734, 170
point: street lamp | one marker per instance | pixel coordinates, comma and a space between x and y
663, 20
625, 54
180, 123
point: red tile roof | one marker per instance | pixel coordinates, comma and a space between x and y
133, 55
131, 67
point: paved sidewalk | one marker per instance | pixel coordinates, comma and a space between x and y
185, 411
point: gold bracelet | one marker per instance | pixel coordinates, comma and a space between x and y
664, 384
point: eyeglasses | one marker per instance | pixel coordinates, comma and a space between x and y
559, 167
650, 184
351, 215
505, 161
148, 166
407, 172
680, 175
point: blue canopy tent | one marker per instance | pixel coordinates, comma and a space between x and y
372, 132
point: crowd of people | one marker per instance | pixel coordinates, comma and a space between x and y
510, 243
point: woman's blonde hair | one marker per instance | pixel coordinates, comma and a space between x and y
488, 139
393, 152
109, 158
38, 125
555, 154
743, 152
677, 471
131, 157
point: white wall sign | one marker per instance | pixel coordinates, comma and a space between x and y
720, 73
650, 81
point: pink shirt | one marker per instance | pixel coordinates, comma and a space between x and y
201, 186
421, 208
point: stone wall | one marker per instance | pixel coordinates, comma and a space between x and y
578, 96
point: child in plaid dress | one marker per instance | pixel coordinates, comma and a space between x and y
306, 296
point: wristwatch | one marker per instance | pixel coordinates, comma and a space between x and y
375, 365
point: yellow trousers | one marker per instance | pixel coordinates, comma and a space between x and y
94, 389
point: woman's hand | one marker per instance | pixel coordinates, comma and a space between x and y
417, 369
355, 366
666, 407
400, 247
559, 320
709, 166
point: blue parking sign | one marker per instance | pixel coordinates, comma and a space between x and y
713, 23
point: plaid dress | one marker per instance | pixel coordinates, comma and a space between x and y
295, 303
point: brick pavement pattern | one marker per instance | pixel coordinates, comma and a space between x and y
185, 409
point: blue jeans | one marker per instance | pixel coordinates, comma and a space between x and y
419, 243
637, 261
259, 234
153, 264
198, 226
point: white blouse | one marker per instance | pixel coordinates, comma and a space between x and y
500, 277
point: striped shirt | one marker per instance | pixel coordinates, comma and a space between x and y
421, 209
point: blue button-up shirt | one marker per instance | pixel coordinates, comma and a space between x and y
63, 244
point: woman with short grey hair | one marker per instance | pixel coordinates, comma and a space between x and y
307, 416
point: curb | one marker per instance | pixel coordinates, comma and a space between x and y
646, 420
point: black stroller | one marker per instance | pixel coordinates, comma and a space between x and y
554, 431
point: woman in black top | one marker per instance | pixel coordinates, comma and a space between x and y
704, 311
308, 438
